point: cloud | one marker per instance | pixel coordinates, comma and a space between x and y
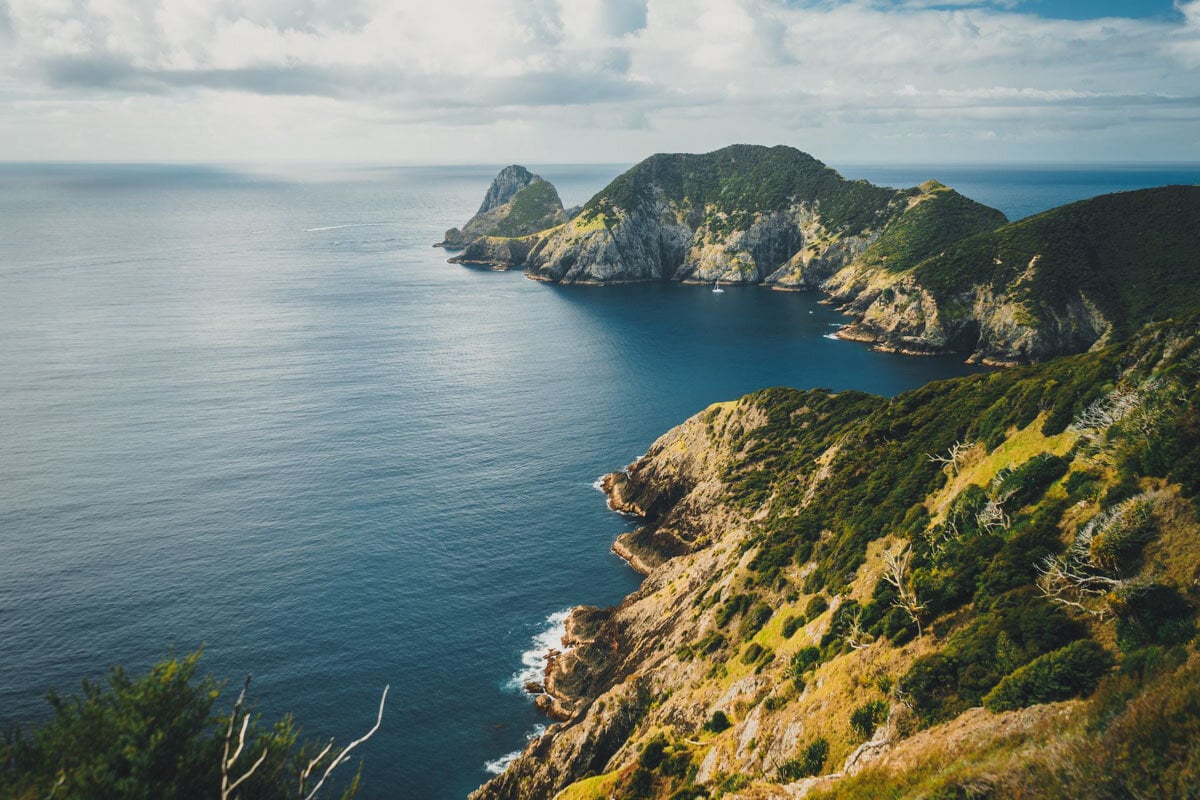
646, 70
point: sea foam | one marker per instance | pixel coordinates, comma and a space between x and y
533, 660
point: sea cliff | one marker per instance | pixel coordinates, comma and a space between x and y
847, 595
919, 271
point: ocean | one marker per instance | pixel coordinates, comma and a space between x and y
255, 411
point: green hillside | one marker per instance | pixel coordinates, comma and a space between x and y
1136, 255
742, 180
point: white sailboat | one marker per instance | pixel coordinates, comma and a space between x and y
717, 286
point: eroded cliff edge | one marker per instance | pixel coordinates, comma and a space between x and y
845, 589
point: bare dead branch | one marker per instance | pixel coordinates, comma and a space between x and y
345, 754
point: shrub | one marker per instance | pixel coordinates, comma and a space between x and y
813, 760
790, 625
677, 764
815, 608
149, 736
752, 653
718, 722
867, 717
738, 604
1153, 614
1058, 675
755, 618
1028, 482
654, 752
805, 659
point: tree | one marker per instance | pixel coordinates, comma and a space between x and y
156, 736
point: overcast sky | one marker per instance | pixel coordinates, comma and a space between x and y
541, 81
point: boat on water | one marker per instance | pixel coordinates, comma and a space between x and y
717, 286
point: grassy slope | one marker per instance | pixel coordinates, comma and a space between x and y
533, 208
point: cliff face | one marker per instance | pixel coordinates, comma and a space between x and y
922, 270
827, 606
1064, 281
518, 203
739, 215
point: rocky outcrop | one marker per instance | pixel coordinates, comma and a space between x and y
499, 252
518, 203
603, 684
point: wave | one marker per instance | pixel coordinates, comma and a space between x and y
347, 225
831, 336
533, 660
498, 765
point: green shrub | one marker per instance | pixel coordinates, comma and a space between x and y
815, 608
1058, 675
805, 659
654, 752
792, 624
677, 764
752, 653
1028, 482
718, 722
755, 618
1153, 614
738, 604
150, 736
867, 717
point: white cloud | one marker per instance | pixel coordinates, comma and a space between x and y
588, 79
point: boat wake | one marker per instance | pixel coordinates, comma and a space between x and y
339, 227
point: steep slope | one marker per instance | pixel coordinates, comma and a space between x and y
1059, 282
902, 597
517, 203
743, 214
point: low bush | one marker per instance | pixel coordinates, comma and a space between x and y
867, 717
718, 722
1061, 674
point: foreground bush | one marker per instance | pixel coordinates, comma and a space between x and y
155, 737
1058, 675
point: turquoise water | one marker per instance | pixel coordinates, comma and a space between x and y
260, 413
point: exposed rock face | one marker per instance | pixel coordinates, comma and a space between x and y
505, 186
740, 215
920, 271
517, 204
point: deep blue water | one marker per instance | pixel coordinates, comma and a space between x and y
260, 413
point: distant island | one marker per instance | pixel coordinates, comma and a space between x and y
919, 271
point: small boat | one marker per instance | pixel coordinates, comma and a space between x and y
717, 286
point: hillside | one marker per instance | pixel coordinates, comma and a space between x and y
743, 214
986, 587
517, 203
1059, 282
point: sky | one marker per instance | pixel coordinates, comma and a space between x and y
568, 81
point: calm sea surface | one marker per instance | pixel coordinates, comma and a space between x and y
261, 414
